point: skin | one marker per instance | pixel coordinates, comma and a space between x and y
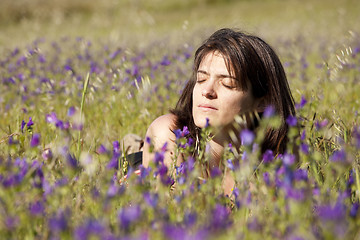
216, 96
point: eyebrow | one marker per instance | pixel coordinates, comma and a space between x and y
220, 75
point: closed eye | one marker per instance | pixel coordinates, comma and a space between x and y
229, 83
201, 77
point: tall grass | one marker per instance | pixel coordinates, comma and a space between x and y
57, 87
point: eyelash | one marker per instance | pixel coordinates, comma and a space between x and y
225, 85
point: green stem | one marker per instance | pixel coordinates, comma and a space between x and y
86, 84
357, 181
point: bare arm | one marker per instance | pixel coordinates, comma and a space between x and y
160, 132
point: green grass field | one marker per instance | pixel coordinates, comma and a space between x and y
60, 139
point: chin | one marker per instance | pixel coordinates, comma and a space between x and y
201, 123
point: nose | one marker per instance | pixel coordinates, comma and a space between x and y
208, 90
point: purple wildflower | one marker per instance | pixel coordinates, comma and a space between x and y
254, 225
59, 221
230, 165
90, 229
266, 177
296, 194
321, 124
354, 209
23, 123
190, 142
269, 111
144, 172
129, 215
180, 233
94, 68
304, 148
8, 181
247, 137
350, 181
12, 222
102, 149
114, 190
71, 160
164, 147
51, 118
47, 154
291, 121
244, 156
221, 218
190, 218
303, 135
190, 164
180, 169
174, 232
35, 140
71, 111
268, 156
59, 124
159, 157
248, 198
302, 102
162, 170
165, 61
113, 163
37, 208
15, 52
288, 159
95, 193
68, 67
207, 124
77, 126
356, 136
116, 147
180, 134
316, 191
301, 174
115, 54
331, 213
338, 156
12, 141
61, 182
38, 178
356, 51
215, 172
167, 180
151, 199
30, 122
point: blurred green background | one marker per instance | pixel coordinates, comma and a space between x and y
137, 22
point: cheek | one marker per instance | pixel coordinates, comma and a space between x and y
195, 91
241, 105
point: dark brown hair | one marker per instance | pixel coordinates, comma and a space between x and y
253, 62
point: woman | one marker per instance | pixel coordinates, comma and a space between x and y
234, 74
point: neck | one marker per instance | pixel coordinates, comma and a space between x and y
216, 151
221, 139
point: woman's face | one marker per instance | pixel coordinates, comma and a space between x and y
216, 94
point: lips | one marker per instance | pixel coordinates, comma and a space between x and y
207, 107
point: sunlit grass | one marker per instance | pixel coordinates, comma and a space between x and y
138, 57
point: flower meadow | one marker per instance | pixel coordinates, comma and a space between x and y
67, 103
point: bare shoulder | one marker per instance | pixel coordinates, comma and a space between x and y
167, 120
160, 130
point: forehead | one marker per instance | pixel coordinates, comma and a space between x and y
215, 62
